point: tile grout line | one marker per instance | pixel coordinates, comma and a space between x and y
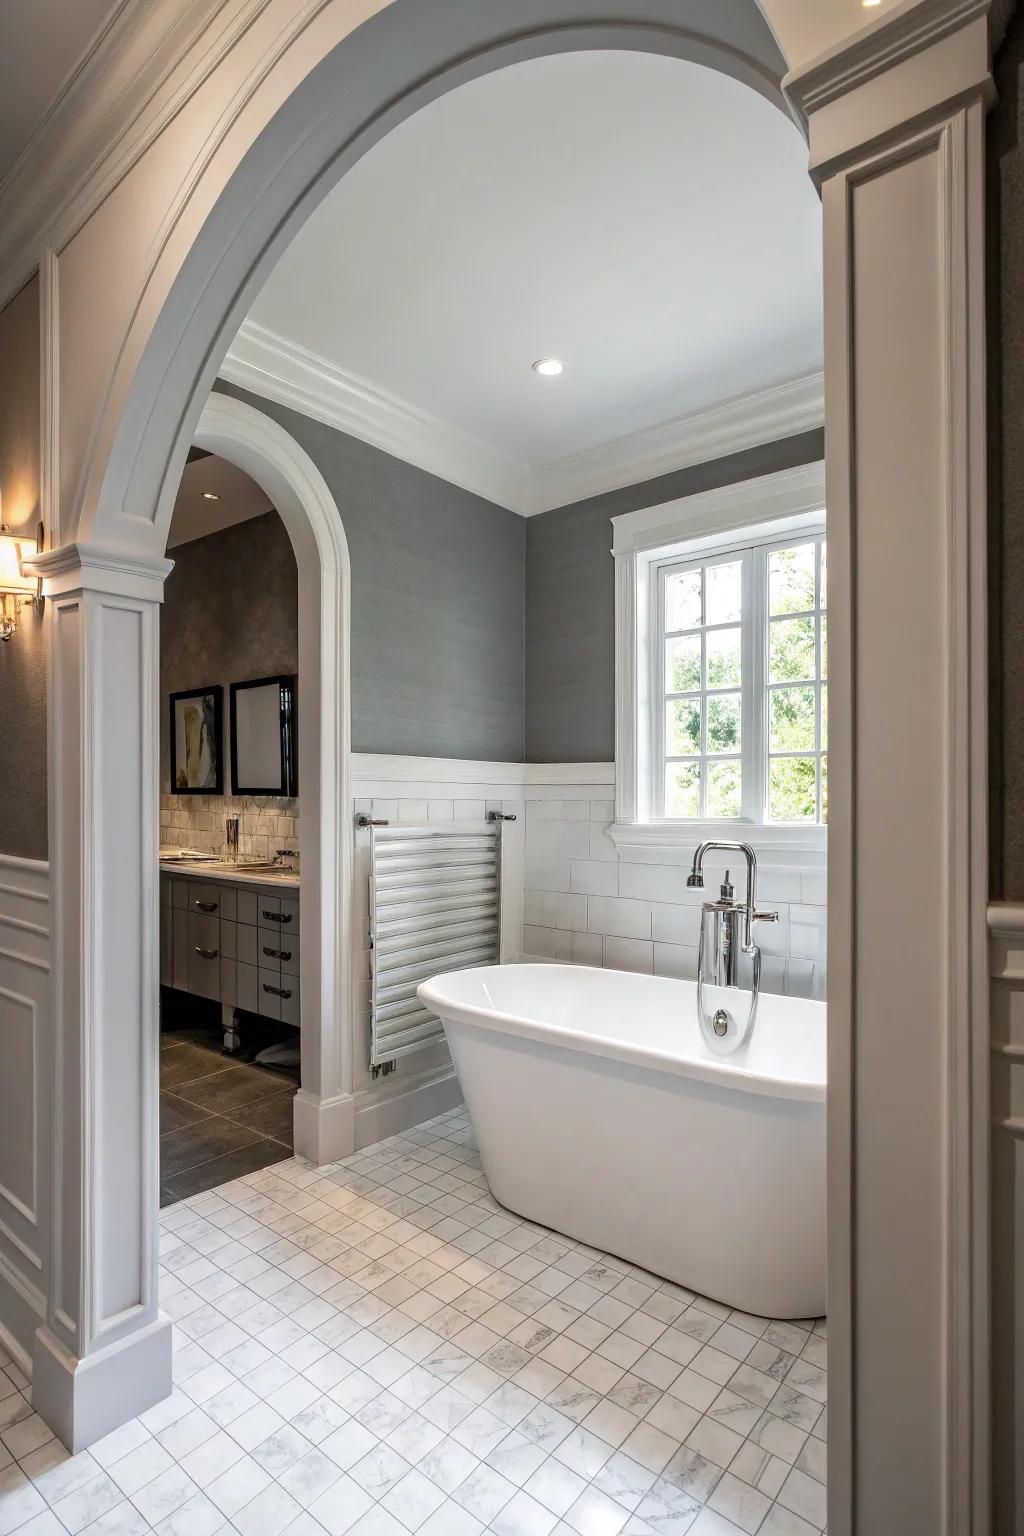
378, 1348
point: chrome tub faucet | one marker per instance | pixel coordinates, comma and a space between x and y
731, 924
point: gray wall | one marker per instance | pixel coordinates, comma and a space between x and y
437, 602
230, 612
22, 658
570, 601
1006, 468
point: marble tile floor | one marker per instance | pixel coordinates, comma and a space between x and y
376, 1348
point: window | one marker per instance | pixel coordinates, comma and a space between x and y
739, 666
722, 664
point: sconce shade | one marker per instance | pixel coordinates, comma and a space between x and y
13, 551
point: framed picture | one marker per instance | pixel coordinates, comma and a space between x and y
263, 733
197, 742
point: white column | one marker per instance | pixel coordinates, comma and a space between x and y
324, 1112
897, 142
104, 1353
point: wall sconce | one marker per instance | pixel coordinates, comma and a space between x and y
17, 586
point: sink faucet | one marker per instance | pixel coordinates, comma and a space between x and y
728, 912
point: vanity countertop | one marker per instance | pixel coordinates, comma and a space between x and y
203, 869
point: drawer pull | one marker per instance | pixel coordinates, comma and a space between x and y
277, 991
277, 917
206, 954
277, 954
206, 906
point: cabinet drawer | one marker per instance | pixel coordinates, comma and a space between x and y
279, 952
229, 903
290, 1005
279, 995
246, 987
279, 914
228, 939
247, 902
247, 941
204, 898
166, 947
204, 955
228, 981
179, 894
179, 948
165, 891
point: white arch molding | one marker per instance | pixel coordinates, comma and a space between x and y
324, 1107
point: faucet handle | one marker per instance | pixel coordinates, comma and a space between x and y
764, 917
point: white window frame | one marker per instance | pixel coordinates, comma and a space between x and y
771, 509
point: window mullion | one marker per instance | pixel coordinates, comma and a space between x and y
658, 741
755, 637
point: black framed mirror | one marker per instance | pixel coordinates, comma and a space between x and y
263, 737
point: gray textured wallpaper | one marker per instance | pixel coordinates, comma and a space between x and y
570, 601
230, 612
23, 657
1005, 154
438, 579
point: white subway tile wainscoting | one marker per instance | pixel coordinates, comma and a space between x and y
591, 904
375, 1347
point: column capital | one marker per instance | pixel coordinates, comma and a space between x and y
909, 65
93, 568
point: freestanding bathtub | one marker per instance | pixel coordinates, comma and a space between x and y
601, 1113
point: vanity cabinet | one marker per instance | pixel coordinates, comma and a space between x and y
235, 943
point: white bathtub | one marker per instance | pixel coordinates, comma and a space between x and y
601, 1113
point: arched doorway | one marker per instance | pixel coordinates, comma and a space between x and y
101, 1281
228, 427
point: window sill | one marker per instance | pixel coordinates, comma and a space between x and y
796, 847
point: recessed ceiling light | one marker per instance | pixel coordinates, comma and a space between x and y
549, 367
210, 496
869, 5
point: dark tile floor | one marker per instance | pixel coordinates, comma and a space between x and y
220, 1117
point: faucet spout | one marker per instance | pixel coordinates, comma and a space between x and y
695, 879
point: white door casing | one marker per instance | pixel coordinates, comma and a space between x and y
324, 1106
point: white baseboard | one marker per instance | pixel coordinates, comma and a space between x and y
324, 1129
83, 1400
380, 1114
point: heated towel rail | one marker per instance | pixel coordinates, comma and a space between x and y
435, 903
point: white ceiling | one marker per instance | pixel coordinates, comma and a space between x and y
238, 499
41, 43
649, 221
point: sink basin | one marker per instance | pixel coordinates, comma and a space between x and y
254, 866
226, 866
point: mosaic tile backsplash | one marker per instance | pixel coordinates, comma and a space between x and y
198, 821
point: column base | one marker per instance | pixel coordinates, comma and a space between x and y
325, 1129
83, 1400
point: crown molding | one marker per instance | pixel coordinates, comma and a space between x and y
269, 365
892, 38
743, 421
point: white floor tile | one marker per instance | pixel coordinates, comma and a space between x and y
376, 1348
